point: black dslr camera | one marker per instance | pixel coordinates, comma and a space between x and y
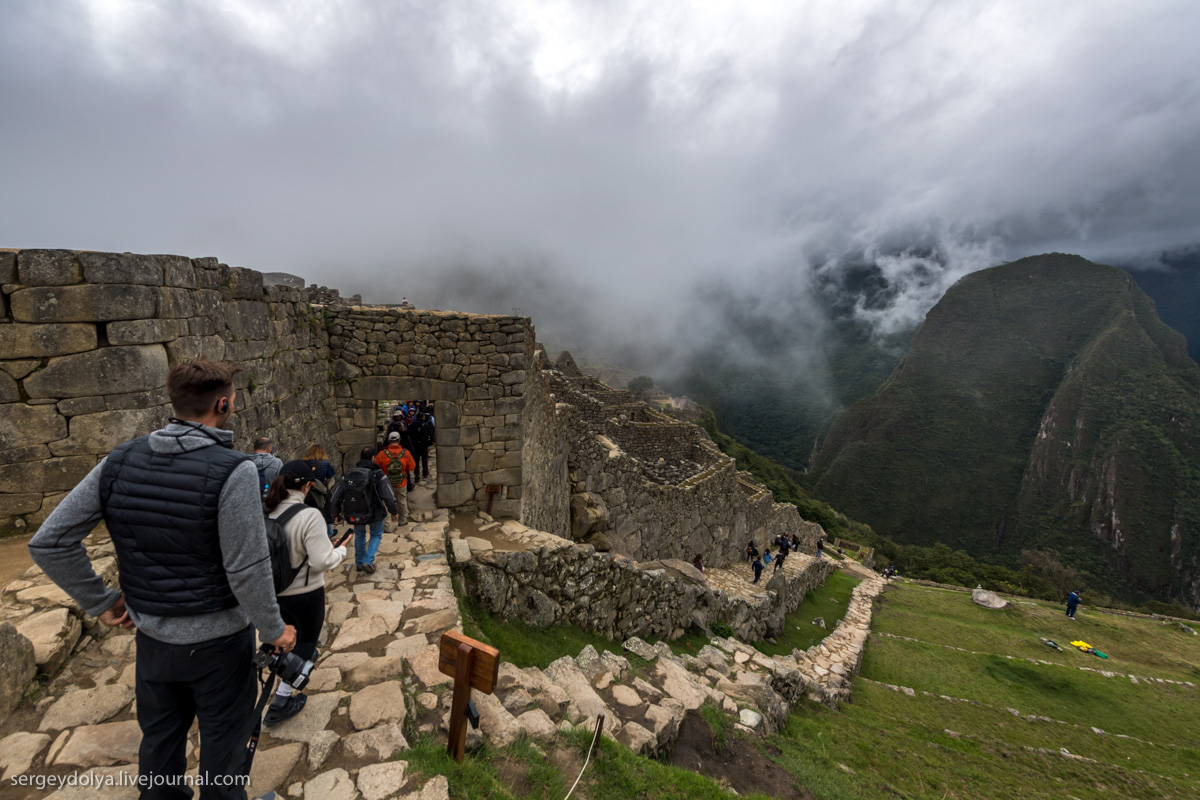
290, 668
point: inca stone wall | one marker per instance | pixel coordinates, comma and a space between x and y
471, 366
641, 484
87, 339
556, 581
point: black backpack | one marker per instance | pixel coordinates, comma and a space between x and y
281, 552
318, 496
358, 496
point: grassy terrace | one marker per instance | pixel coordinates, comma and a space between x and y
889, 744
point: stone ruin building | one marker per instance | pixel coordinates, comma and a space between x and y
600, 505
87, 339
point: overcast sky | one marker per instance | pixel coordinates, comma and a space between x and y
635, 152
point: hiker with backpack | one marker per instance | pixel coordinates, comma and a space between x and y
318, 496
301, 554
421, 432
395, 460
267, 463
364, 498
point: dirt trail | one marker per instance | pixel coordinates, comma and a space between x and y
14, 558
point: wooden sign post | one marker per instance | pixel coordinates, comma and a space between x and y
473, 665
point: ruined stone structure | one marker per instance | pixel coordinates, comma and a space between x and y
619, 475
87, 339
550, 581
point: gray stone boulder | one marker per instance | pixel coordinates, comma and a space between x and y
53, 634
18, 666
86, 707
18, 750
987, 599
109, 370
588, 514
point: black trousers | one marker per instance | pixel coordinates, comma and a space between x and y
307, 613
421, 456
211, 681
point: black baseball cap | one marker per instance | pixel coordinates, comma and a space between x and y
299, 469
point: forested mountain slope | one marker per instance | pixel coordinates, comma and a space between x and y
1042, 405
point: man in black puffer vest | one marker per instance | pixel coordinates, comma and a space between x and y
185, 514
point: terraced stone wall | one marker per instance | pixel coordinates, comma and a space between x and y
87, 339
556, 581
471, 366
654, 488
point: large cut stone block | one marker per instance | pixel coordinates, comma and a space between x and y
504, 477
24, 425
455, 494
248, 320
450, 459
446, 414
99, 433
177, 271
39, 341
16, 654
386, 387
142, 331
9, 393
8, 266
109, 370
48, 267
84, 303
121, 268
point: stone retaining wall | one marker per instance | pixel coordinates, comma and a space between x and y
87, 339
555, 580
471, 366
652, 487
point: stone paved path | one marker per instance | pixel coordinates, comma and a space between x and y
377, 679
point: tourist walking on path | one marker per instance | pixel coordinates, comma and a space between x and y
184, 510
779, 559
757, 566
312, 554
421, 432
820, 548
364, 498
397, 463
1073, 600
268, 464
318, 496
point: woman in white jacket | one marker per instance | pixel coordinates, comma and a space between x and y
303, 602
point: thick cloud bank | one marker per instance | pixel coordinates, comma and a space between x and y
604, 164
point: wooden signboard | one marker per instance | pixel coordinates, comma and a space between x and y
473, 665
485, 660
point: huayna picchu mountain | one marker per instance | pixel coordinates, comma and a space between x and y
1042, 405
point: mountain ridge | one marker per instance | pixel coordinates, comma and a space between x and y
965, 441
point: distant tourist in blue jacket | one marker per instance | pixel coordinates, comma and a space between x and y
758, 568
1073, 600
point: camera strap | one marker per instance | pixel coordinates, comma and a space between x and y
268, 686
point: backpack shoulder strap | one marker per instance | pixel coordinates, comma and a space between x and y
286, 516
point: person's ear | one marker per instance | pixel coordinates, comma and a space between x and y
223, 405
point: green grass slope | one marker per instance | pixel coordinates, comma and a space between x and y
1041, 405
994, 713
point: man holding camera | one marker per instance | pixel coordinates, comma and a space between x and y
184, 510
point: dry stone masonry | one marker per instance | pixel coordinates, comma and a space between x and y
87, 339
603, 503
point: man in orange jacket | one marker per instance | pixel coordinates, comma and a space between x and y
397, 462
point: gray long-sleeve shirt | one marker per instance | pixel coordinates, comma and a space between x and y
58, 549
